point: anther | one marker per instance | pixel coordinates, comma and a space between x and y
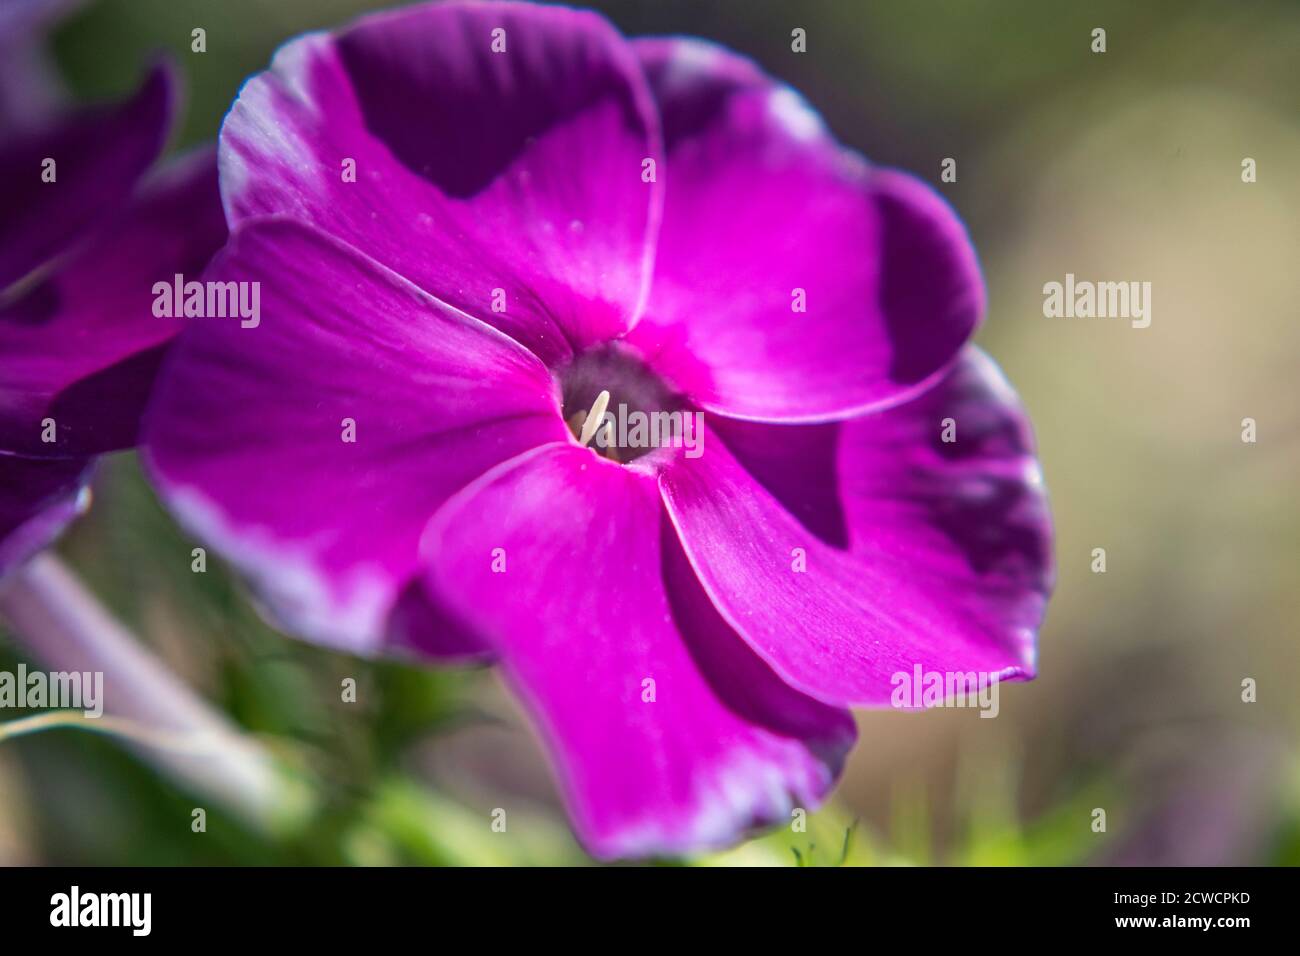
594, 417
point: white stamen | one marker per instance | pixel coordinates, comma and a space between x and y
594, 417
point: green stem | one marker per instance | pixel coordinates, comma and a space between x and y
62, 624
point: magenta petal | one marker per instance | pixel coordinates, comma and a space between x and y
764, 207
99, 154
595, 600
245, 437
475, 171
38, 498
836, 625
420, 628
970, 515
82, 345
798, 465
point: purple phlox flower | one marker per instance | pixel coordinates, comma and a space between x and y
473, 225
86, 231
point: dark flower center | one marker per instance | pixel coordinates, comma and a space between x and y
616, 405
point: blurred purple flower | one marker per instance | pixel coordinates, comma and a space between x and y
85, 234
30, 90
686, 631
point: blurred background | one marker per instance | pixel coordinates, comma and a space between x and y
1117, 166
